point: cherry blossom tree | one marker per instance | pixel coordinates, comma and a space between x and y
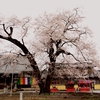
57, 37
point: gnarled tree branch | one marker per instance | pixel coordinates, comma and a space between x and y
11, 30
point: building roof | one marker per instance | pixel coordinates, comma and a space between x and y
75, 70
14, 64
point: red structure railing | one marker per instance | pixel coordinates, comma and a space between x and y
70, 87
84, 85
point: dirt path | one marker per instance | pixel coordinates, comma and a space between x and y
55, 96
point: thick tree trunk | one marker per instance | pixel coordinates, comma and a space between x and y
45, 85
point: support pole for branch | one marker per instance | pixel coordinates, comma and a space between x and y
11, 85
21, 96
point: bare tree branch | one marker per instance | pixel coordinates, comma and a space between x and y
11, 30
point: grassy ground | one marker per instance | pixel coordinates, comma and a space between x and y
52, 96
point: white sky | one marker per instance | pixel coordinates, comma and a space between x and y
33, 8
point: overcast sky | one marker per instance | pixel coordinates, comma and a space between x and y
33, 8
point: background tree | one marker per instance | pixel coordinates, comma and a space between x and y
58, 36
